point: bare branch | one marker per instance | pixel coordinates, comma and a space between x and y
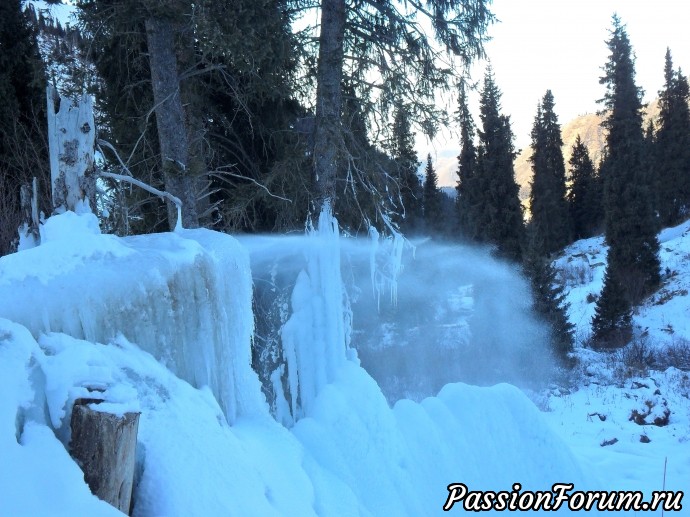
220, 173
129, 179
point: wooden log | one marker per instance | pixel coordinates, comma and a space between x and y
72, 142
104, 446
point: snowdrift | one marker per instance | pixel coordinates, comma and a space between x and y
163, 323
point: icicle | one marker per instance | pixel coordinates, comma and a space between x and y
314, 337
385, 261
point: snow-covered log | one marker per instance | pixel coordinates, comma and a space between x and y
72, 138
104, 446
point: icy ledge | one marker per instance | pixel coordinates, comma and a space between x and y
207, 445
184, 297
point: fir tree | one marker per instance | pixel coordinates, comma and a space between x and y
672, 146
433, 201
499, 219
584, 196
548, 195
405, 156
468, 198
633, 262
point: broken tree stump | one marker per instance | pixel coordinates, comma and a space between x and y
104, 446
72, 143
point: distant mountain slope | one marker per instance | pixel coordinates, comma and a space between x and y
589, 128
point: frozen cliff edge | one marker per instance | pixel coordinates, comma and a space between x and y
184, 297
163, 323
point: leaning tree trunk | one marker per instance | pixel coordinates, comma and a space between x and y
328, 130
72, 140
173, 133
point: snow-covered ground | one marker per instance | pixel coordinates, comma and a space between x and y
163, 324
636, 379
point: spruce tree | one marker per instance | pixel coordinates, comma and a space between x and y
499, 218
633, 262
548, 204
468, 198
433, 201
584, 195
409, 186
672, 146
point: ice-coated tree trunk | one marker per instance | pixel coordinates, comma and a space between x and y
28, 202
104, 446
328, 130
173, 133
72, 140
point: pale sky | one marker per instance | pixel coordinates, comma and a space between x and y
560, 45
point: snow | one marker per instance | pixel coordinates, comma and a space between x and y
629, 463
162, 324
615, 388
352, 455
37, 476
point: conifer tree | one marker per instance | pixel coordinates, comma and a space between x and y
584, 196
549, 301
468, 198
237, 63
406, 162
612, 322
387, 38
433, 201
672, 146
548, 204
499, 218
23, 125
633, 262
651, 176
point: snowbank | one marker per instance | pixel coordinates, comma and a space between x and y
353, 456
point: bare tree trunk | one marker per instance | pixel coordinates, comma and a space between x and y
72, 140
328, 130
173, 133
28, 201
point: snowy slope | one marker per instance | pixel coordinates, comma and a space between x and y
637, 378
163, 323
664, 317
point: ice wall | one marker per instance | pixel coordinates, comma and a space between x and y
185, 297
315, 338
